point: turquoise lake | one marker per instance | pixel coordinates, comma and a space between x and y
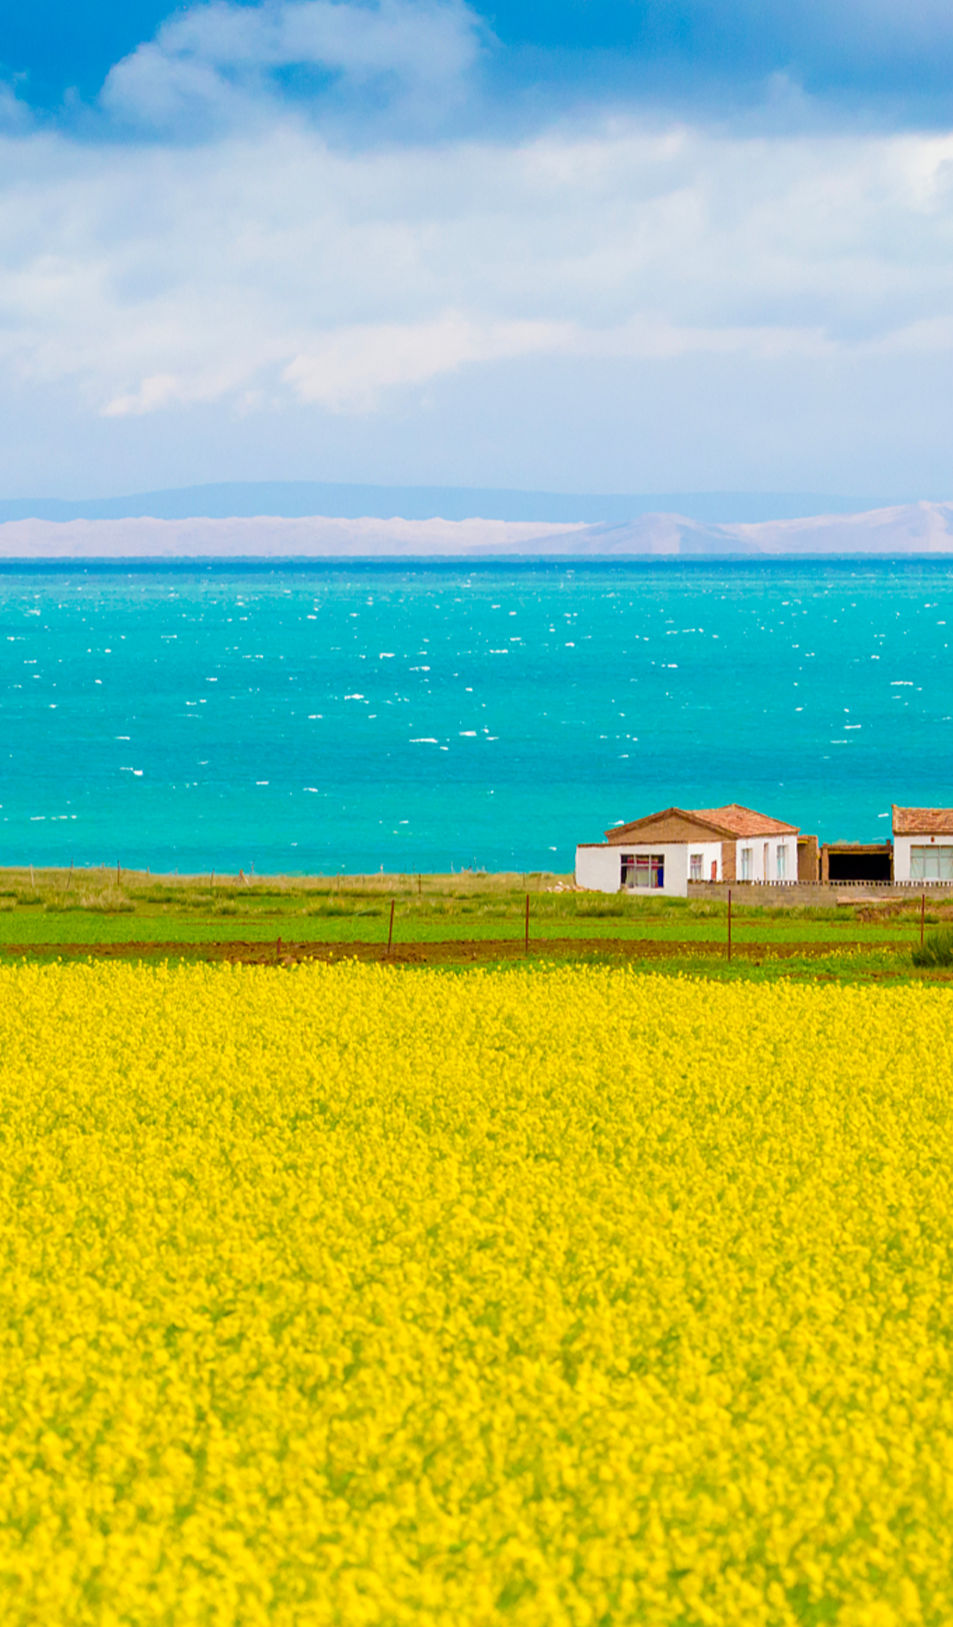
327, 717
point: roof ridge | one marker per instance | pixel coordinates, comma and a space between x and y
739, 812
664, 813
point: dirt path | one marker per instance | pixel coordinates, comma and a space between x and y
458, 952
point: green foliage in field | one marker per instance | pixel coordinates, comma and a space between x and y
105, 906
936, 950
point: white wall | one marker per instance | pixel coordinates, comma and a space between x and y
901, 852
711, 855
599, 867
757, 846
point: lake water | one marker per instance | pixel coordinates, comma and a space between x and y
310, 717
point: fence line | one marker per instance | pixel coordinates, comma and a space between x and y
915, 886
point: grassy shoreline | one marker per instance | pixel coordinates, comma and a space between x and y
448, 920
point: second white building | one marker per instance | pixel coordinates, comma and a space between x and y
922, 844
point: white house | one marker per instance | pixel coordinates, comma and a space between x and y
923, 844
665, 851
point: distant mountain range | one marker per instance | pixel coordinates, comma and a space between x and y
908, 528
912, 528
296, 500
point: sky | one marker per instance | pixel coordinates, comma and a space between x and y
593, 246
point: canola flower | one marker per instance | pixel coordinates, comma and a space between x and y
569, 1296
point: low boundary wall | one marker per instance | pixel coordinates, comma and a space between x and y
822, 893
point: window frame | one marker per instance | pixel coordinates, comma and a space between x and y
941, 852
649, 872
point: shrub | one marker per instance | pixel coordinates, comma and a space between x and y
936, 950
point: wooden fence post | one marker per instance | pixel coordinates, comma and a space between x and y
390, 929
729, 923
526, 939
923, 912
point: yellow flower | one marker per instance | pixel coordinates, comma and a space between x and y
346, 1296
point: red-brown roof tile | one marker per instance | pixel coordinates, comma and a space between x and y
922, 821
744, 821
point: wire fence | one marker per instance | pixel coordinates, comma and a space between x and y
916, 886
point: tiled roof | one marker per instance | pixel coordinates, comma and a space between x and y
744, 821
732, 820
922, 821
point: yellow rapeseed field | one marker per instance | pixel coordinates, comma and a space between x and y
573, 1296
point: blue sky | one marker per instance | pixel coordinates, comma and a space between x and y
588, 247
872, 57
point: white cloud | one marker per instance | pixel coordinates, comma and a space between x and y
349, 370
14, 114
218, 63
267, 270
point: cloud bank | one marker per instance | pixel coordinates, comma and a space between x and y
270, 224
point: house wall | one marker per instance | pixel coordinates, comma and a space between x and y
710, 855
757, 870
599, 866
901, 851
660, 828
808, 859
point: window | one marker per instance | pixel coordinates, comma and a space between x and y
931, 864
628, 869
745, 864
649, 870
782, 861
766, 862
696, 866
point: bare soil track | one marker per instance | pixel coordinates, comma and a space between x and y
451, 952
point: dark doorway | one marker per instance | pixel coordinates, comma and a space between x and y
859, 864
